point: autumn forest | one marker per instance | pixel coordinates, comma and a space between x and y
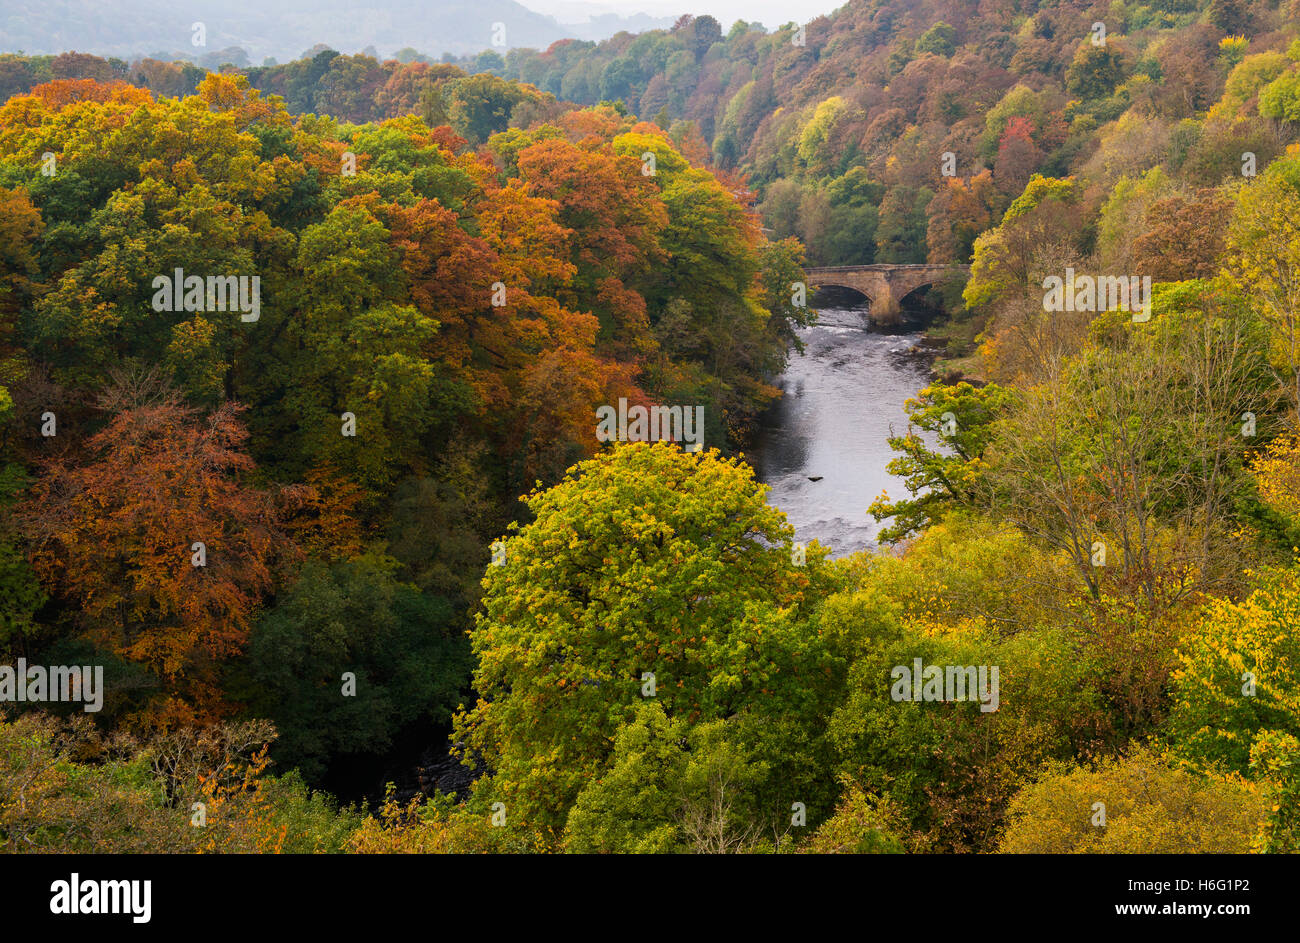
312, 538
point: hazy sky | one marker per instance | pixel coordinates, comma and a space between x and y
770, 13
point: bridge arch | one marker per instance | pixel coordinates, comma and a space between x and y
884, 285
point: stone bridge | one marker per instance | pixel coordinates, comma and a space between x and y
885, 285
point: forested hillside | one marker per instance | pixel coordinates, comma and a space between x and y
843, 124
367, 493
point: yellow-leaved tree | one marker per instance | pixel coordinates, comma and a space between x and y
1264, 254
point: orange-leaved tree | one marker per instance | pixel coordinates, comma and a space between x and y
158, 540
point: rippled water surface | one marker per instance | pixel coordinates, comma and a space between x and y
841, 398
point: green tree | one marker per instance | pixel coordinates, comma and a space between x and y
962, 418
670, 787
644, 560
780, 270
1281, 98
1129, 446
1041, 217
479, 106
949, 768
939, 39
861, 825
399, 646
900, 234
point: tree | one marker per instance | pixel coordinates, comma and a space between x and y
962, 417
1018, 156
1097, 70
79, 65
618, 79
939, 40
1154, 475
1240, 675
705, 32
1184, 237
1020, 101
1231, 16
21, 227
780, 208
781, 266
1039, 219
479, 106
21, 593
900, 234
949, 769
1117, 227
1281, 98
1189, 82
671, 787
861, 825
1275, 759
352, 618
360, 352
602, 200
1264, 254
119, 535
1276, 469
1148, 807
646, 560
69, 789
959, 212
1247, 77
815, 148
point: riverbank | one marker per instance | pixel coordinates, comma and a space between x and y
951, 349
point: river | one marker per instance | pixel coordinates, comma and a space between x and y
841, 398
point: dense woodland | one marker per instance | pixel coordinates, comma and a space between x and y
468, 258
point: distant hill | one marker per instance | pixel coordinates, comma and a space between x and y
284, 29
